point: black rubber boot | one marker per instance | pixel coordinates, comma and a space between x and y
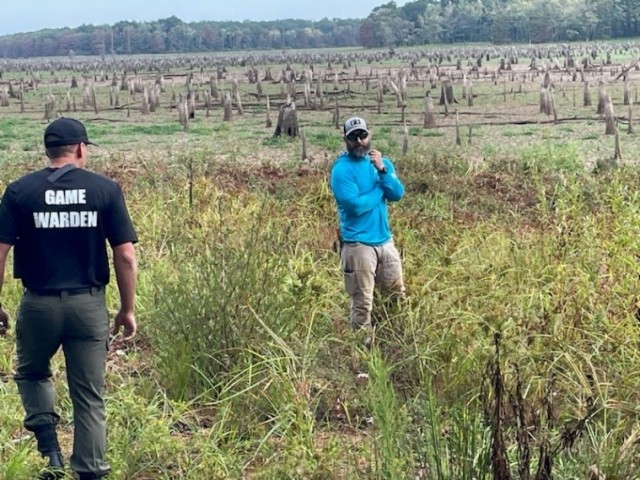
92, 476
55, 467
49, 448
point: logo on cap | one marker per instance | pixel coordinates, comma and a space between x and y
355, 124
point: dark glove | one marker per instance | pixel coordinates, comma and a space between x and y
4, 322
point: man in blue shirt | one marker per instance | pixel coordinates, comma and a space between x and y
363, 181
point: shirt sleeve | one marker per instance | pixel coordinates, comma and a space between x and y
117, 222
8, 223
391, 185
349, 197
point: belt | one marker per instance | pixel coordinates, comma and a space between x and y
66, 292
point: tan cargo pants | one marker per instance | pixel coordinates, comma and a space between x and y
364, 267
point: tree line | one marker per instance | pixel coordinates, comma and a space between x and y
172, 35
415, 23
499, 21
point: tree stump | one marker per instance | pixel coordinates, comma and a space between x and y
610, 120
4, 97
586, 100
429, 115
626, 93
446, 93
287, 121
602, 94
227, 115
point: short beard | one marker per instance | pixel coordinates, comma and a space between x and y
360, 151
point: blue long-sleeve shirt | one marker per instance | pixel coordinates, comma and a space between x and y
361, 194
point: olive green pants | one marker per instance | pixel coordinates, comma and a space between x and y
364, 267
80, 324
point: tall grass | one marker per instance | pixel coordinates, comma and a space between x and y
245, 366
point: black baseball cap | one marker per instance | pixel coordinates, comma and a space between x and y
65, 131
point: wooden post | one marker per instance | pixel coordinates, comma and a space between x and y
319, 91
93, 100
405, 141
552, 106
268, 123
304, 145
21, 96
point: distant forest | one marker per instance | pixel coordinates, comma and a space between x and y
415, 23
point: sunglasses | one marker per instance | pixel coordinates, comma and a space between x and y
352, 137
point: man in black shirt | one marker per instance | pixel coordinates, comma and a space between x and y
59, 220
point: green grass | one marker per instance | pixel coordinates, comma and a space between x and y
244, 360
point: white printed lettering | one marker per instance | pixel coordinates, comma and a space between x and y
41, 219
54, 220
66, 197
65, 219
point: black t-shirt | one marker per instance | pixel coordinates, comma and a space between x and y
60, 229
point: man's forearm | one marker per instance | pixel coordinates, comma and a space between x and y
2, 264
124, 263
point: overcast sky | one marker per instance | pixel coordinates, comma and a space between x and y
31, 15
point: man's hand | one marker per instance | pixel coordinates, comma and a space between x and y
4, 322
376, 159
126, 321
